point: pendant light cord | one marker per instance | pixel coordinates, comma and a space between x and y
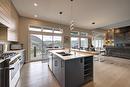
60, 13
71, 13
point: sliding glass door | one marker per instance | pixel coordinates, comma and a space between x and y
42, 39
35, 47
47, 43
39, 45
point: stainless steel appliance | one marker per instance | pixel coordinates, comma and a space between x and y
11, 69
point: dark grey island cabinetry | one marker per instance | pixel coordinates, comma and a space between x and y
72, 70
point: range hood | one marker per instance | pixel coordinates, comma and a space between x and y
3, 32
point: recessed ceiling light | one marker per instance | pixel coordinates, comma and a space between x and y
35, 16
35, 4
60, 12
93, 22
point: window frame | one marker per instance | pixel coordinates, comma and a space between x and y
78, 41
47, 30
98, 43
86, 42
56, 29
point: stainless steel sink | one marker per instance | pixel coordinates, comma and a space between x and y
64, 53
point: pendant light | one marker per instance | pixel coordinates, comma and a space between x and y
71, 12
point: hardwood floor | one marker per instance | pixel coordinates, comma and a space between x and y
113, 72
36, 74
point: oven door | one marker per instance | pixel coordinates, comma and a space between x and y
15, 73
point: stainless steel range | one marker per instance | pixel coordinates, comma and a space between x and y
12, 67
8, 55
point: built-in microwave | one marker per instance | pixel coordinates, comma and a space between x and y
16, 46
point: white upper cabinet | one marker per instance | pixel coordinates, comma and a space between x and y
5, 12
10, 18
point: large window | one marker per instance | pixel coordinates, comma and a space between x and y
97, 43
57, 41
75, 42
79, 40
52, 37
47, 41
84, 43
42, 39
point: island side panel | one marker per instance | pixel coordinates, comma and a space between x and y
59, 70
74, 72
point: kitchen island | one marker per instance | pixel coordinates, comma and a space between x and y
71, 69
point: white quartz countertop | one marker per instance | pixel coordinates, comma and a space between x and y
73, 56
90, 52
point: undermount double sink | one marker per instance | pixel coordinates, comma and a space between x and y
64, 53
